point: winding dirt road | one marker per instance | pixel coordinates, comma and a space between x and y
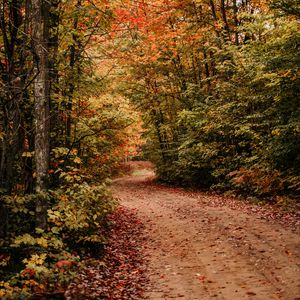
202, 246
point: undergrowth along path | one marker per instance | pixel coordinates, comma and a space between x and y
202, 246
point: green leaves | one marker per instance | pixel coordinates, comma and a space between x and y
80, 212
224, 115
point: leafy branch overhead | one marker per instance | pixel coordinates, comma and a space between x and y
217, 83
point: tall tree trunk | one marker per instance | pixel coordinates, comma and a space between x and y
236, 22
206, 66
71, 88
215, 18
56, 120
10, 22
10, 99
41, 108
224, 18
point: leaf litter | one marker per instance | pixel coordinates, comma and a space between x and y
121, 273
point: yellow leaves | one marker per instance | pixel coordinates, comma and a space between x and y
77, 160
60, 151
18, 210
55, 230
36, 262
286, 73
4, 260
276, 132
18, 204
56, 243
53, 214
282, 200
35, 259
5, 290
39, 230
72, 176
42, 242
26, 239
55, 217
46, 241
2, 293
4, 284
28, 154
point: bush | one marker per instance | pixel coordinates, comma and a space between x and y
43, 263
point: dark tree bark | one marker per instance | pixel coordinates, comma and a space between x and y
57, 128
224, 18
14, 73
215, 18
74, 52
236, 22
213, 10
10, 23
206, 66
41, 108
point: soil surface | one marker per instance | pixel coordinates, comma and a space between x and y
204, 246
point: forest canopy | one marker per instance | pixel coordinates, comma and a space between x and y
218, 84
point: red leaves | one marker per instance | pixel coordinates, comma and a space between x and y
63, 263
29, 272
131, 17
121, 273
124, 256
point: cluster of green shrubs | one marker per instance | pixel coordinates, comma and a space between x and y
41, 263
242, 131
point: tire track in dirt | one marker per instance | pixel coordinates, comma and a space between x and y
198, 251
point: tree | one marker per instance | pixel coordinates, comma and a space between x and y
209, 101
41, 107
15, 75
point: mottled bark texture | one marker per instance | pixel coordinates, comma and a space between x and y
41, 108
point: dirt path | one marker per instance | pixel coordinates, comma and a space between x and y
199, 249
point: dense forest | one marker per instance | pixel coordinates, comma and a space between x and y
215, 84
218, 84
